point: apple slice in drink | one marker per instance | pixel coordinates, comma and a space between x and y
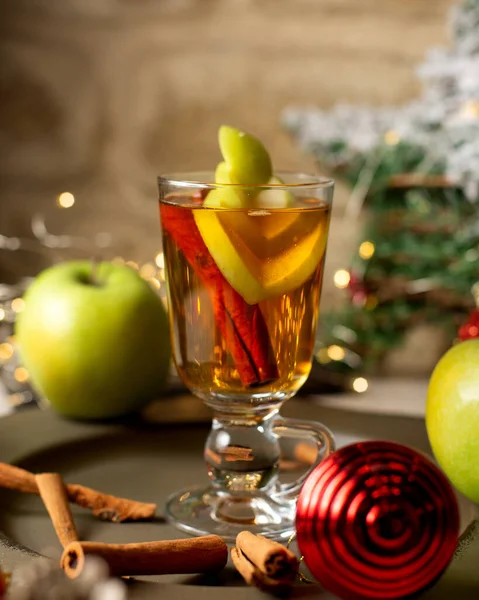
274, 198
246, 157
246, 162
237, 197
222, 173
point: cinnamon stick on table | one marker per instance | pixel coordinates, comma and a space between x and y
254, 577
53, 493
105, 506
192, 555
264, 563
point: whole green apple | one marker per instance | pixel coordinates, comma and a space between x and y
452, 416
94, 338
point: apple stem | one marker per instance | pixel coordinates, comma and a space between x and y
94, 280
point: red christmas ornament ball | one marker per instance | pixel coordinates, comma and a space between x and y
470, 329
376, 520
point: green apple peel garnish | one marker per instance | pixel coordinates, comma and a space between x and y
222, 173
246, 162
272, 198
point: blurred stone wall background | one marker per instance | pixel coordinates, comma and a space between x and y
99, 96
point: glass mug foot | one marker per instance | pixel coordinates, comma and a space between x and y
245, 494
202, 511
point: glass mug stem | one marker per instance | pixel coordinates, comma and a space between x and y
243, 455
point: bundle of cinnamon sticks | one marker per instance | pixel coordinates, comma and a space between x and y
266, 564
263, 563
192, 555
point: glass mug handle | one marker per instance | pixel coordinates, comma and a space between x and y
296, 428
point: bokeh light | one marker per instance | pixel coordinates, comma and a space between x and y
6, 351
148, 270
21, 374
342, 278
391, 138
322, 356
336, 352
360, 385
160, 260
18, 304
366, 250
66, 200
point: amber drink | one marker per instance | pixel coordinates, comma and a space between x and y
274, 245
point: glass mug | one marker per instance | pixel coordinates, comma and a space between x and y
244, 287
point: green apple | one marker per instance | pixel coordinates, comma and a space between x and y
452, 416
94, 339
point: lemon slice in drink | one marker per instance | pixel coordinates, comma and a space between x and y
263, 256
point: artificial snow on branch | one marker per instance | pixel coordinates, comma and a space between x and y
437, 133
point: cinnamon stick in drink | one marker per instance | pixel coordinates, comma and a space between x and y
53, 493
242, 325
105, 506
192, 555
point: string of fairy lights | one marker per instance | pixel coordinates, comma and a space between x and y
342, 279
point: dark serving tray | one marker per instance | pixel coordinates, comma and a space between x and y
147, 460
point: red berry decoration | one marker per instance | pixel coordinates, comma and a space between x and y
470, 329
357, 289
376, 520
2, 585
